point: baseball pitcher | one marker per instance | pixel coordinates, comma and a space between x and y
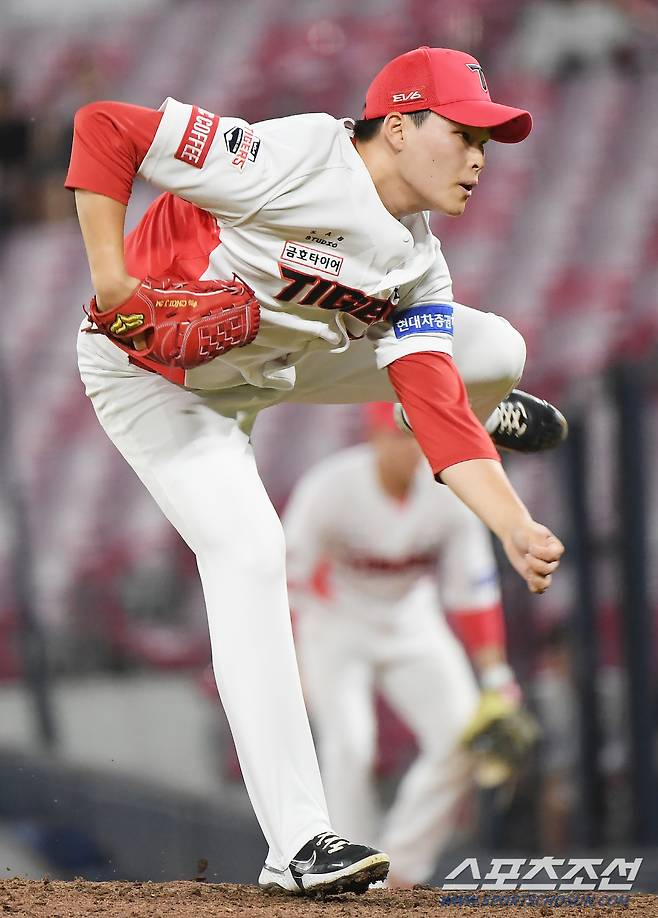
292, 260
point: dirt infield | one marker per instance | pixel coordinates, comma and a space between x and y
80, 899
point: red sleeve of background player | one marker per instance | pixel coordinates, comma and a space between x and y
479, 628
434, 398
110, 140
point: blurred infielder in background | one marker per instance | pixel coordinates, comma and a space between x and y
335, 291
372, 521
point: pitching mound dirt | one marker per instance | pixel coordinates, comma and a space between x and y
56, 899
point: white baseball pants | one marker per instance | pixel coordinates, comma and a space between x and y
192, 452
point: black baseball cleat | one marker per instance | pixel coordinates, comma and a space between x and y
326, 866
527, 424
521, 422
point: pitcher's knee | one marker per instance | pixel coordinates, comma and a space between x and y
252, 546
270, 566
262, 550
508, 350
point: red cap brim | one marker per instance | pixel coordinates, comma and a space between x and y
507, 124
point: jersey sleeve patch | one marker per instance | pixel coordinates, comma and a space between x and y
430, 318
243, 145
198, 137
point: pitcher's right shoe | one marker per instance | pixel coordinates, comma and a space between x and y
325, 866
521, 422
527, 424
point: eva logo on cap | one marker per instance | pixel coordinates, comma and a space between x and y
412, 96
480, 72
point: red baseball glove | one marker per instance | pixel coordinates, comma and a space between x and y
181, 324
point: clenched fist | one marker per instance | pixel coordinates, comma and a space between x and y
534, 552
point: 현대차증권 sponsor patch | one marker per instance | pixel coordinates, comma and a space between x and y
428, 319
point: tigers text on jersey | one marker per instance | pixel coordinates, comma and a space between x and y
379, 549
301, 222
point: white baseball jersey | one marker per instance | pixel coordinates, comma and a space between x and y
379, 548
302, 223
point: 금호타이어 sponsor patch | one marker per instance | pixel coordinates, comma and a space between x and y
428, 319
301, 254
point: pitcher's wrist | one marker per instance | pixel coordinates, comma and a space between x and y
113, 290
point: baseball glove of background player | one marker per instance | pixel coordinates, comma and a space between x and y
500, 737
181, 324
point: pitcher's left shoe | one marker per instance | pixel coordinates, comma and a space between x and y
521, 422
325, 866
527, 424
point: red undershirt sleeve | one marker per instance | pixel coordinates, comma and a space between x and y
434, 398
110, 140
479, 628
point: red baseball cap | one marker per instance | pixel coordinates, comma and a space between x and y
450, 83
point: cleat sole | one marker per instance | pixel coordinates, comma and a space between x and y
358, 882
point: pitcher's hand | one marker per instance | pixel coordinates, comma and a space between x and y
534, 552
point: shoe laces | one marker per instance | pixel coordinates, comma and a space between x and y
330, 843
512, 418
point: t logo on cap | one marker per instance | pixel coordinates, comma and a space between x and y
480, 72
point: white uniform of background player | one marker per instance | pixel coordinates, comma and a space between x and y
377, 625
346, 290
